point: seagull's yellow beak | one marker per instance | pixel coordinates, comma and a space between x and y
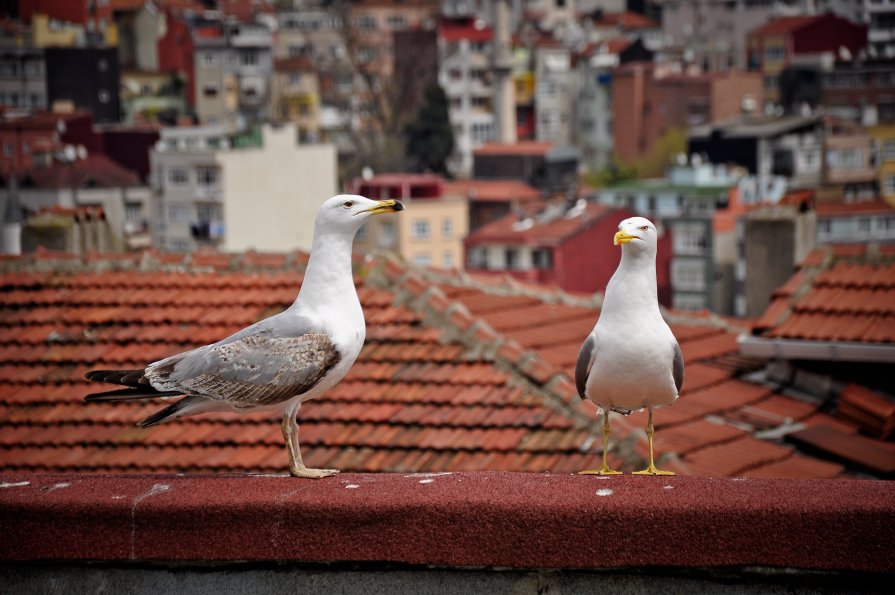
622, 238
385, 206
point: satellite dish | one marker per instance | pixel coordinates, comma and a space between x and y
70, 153
367, 173
82, 152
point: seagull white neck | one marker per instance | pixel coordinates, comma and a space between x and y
633, 286
328, 281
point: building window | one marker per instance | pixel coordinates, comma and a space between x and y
133, 212
888, 152
177, 177
396, 21
386, 234
366, 22
248, 59
179, 245
447, 228
889, 184
688, 302
210, 91
209, 212
422, 259
178, 213
447, 260
477, 257
209, 59
420, 229
207, 176
688, 275
824, 229
542, 258
885, 227
689, 239
864, 225
512, 258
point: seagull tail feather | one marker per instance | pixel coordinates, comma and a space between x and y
171, 411
128, 394
123, 377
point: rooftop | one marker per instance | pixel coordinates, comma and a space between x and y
492, 190
539, 229
457, 374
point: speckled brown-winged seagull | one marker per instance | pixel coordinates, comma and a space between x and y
279, 362
631, 360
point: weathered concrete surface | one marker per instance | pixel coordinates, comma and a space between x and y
502, 520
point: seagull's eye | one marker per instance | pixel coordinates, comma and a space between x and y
348, 204
645, 227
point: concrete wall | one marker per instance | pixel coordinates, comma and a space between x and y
271, 194
770, 260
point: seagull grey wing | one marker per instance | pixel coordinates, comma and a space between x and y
585, 361
253, 370
677, 367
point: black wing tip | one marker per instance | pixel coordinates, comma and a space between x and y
161, 415
124, 377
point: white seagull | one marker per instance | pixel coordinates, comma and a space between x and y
631, 359
281, 361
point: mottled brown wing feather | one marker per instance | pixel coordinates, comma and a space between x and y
252, 371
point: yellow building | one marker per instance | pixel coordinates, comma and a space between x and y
429, 232
884, 141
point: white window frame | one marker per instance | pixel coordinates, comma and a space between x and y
420, 229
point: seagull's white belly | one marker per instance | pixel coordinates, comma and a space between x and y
632, 374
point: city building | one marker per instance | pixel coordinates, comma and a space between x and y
464, 58
650, 99
560, 245
850, 162
216, 188
232, 71
69, 23
712, 33
594, 63
855, 222
73, 184
23, 81
785, 41
860, 90
545, 166
767, 146
884, 139
295, 96
86, 78
555, 93
684, 204
429, 233
490, 200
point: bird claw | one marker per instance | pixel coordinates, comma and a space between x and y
312, 473
651, 470
604, 471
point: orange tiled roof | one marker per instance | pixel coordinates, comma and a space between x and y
458, 373
838, 294
528, 147
492, 190
627, 20
552, 232
784, 25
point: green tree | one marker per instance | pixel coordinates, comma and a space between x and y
430, 138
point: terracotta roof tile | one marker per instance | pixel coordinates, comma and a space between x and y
414, 401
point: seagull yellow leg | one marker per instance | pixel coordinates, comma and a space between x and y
651, 470
604, 470
296, 465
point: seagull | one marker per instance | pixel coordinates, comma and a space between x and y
279, 362
631, 360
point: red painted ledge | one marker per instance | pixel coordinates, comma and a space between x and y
461, 519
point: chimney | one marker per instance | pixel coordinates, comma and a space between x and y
12, 219
502, 68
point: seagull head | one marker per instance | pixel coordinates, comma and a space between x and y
638, 234
348, 212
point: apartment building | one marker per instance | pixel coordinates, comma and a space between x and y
257, 190
429, 232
